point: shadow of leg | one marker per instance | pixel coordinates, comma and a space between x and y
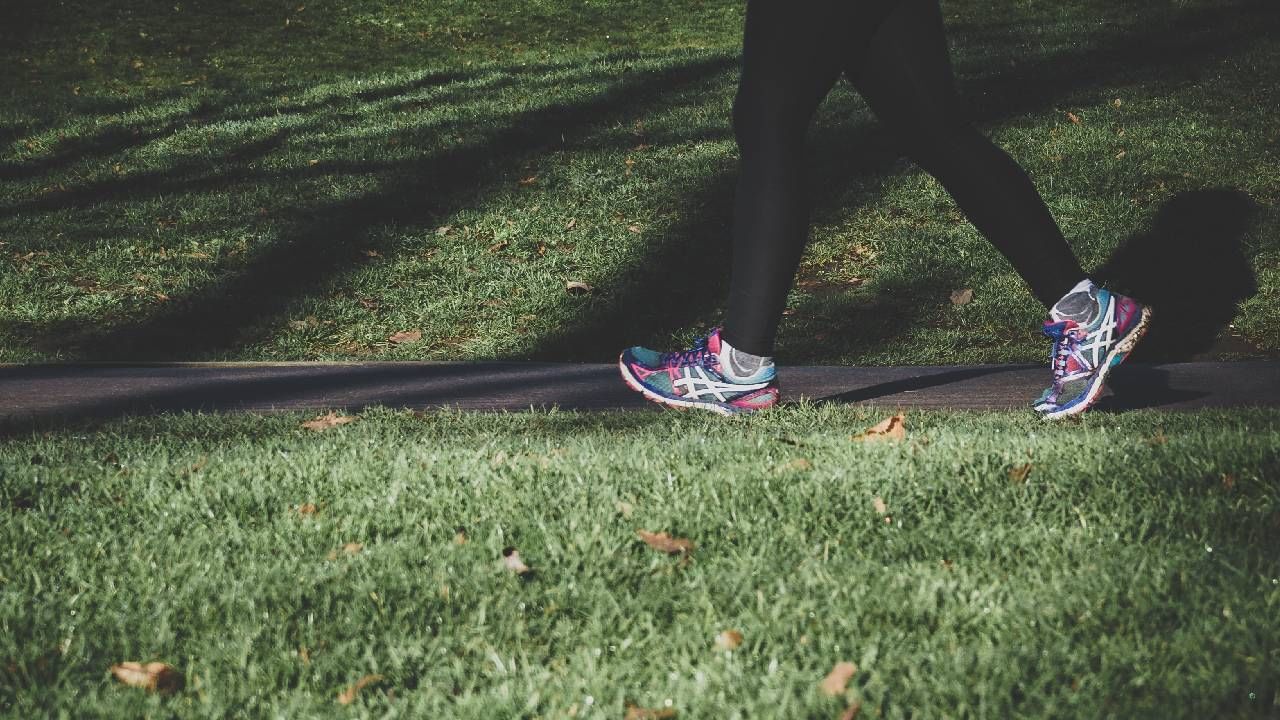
1191, 268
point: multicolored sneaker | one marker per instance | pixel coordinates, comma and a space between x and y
1083, 355
695, 379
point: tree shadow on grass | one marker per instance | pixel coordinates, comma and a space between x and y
327, 241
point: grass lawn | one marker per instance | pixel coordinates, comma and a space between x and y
303, 181
1132, 573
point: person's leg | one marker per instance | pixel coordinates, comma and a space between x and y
791, 58
905, 76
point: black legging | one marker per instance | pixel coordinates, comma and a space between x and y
895, 54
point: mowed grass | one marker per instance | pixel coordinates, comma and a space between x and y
1132, 573
247, 181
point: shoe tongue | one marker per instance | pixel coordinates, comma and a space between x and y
713, 342
1056, 329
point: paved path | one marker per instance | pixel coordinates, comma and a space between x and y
33, 393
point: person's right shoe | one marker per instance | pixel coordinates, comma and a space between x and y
1082, 356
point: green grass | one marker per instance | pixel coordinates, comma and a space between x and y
208, 182
1133, 574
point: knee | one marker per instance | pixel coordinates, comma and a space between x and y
769, 119
935, 144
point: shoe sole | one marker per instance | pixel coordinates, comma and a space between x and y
1114, 358
634, 383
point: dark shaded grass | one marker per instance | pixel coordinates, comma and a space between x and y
291, 241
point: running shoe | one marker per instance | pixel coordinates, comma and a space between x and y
1082, 356
694, 378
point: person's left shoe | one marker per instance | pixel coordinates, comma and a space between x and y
695, 378
1082, 356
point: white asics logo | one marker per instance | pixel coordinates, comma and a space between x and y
1100, 340
695, 384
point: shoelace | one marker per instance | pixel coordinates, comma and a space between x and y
1064, 345
699, 354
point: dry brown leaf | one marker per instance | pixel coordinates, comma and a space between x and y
572, 222
728, 640
963, 296
348, 696
1116, 102
328, 420
443, 230
880, 507
577, 287
525, 182
306, 509
304, 655
348, 549
836, 680
459, 535
852, 711
1228, 481
372, 253
152, 677
1075, 119
1121, 154
893, 428
797, 465
634, 228
1018, 473
511, 560
403, 338
635, 712
663, 542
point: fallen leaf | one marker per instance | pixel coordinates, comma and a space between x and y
880, 507
728, 640
963, 296
406, 337
348, 549
571, 224
1158, 439
348, 696
511, 560
577, 287
852, 711
152, 677
797, 465
304, 655
372, 253
459, 535
836, 680
306, 509
638, 713
313, 163
525, 182
328, 420
634, 228
1116, 102
663, 542
1075, 119
892, 428
1018, 473
1228, 481
443, 230
1121, 154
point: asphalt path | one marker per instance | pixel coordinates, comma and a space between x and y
34, 394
